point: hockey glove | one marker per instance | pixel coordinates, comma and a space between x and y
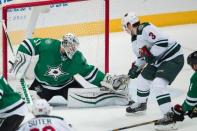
144, 52
192, 113
115, 82
134, 71
178, 113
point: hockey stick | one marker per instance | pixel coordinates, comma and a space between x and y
135, 125
6, 33
22, 80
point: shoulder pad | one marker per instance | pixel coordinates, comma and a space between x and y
141, 27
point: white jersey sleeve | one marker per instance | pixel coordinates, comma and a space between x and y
46, 123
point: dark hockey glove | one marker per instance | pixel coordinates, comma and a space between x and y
134, 71
144, 52
192, 113
178, 113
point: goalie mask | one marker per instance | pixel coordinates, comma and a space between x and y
129, 18
41, 107
70, 45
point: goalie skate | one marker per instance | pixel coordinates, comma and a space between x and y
167, 123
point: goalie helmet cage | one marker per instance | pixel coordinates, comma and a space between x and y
20, 6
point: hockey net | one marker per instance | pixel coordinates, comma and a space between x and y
87, 19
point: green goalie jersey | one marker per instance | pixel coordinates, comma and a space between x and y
9, 100
54, 70
191, 99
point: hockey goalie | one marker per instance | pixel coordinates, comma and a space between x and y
58, 63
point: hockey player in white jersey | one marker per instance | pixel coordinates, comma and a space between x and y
159, 60
43, 121
12, 107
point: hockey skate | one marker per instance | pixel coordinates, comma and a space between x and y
166, 123
136, 108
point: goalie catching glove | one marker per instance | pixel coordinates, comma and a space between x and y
115, 82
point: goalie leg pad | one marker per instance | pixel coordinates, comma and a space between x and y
20, 65
94, 97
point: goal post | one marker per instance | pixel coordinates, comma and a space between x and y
88, 19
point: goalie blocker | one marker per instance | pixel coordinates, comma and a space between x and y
95, 97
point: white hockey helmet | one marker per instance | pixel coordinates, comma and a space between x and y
70, 44
41, 107
131, 18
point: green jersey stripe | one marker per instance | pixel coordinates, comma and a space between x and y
191, 103
170, 53
92, 77
15, 108
142, 94
143, 91
10, 107
31, 46
164, 44
164, 100
27, 48
191, 99
90, 74
164, 40
164, 95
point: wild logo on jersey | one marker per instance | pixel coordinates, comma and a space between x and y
55, 72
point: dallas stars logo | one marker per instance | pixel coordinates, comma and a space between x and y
55, 72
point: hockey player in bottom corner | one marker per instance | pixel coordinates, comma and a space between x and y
159, 60
43, 121
59, 61
12, 107
189, 106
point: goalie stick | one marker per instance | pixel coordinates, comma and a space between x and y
135, 125
22, 80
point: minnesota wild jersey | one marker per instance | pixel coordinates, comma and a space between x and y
191, 99
55, 71
46, 123
161, 46
10, 101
